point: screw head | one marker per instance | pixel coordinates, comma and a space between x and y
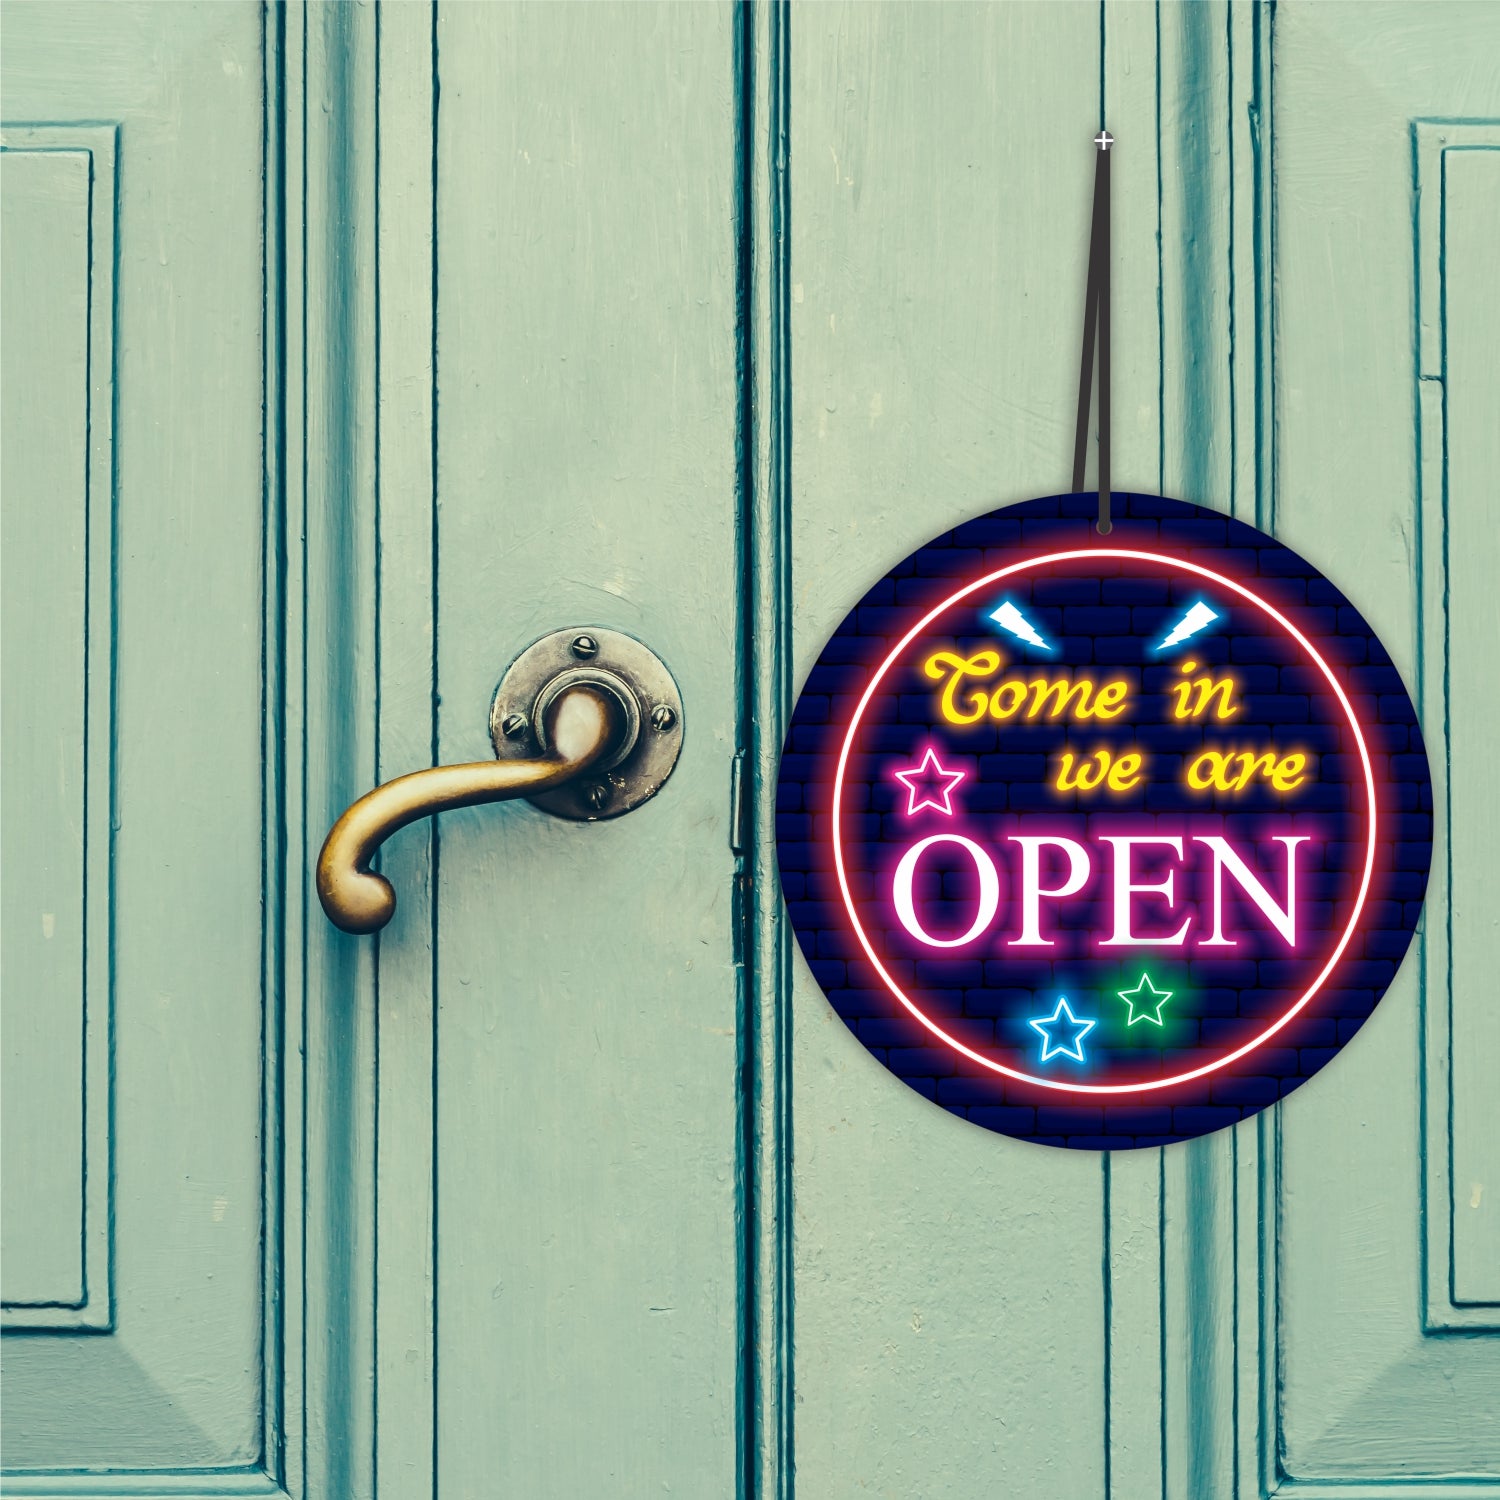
662, 718
585, 646
596, 795
514, 726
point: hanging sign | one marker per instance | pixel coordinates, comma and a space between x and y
1104, 841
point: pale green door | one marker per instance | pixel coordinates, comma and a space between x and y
349, 349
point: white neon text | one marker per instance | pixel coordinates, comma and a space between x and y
1283, 919
989, 890
1126, 887
1032, 889
1128, 892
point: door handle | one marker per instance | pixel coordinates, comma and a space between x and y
586, 724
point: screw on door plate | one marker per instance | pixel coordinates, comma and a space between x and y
662, 718
514, 726
585, 646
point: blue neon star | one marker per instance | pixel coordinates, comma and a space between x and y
1062, 1020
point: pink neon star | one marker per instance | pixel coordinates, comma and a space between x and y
929, 785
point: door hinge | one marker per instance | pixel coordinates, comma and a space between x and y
737, 811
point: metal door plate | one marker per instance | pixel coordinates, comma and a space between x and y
622, 666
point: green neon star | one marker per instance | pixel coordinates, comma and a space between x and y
1145, 1001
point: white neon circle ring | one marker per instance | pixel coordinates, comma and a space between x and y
1160, 560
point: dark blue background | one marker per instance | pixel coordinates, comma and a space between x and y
1104, 620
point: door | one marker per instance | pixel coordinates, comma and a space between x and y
348, 351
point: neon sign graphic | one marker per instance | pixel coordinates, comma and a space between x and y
1145, 1001
1062, 1023
1173, 837
1095, 554
929, 785
1008, 616
1199, 616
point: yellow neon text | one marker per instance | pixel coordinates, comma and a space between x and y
1234, 770
1099, 768
1053, 699
1224, 689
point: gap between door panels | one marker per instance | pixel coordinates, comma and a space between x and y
1190, 1401
762, 43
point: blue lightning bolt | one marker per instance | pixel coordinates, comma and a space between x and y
1199, 616
1008, 617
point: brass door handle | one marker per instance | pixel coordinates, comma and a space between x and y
586, 723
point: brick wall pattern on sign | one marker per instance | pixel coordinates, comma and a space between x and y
1103, 617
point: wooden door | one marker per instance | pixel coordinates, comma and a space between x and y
350, 349
1305, 200
142, 1127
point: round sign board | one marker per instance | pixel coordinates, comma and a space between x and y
1104, 840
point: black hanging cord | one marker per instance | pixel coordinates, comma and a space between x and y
1096, 320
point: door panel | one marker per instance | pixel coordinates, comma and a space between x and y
587, 1052
1263, 1322
948, 1296
1307, 1318
1374, 1384
58, 312
1459, 271
133, 521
